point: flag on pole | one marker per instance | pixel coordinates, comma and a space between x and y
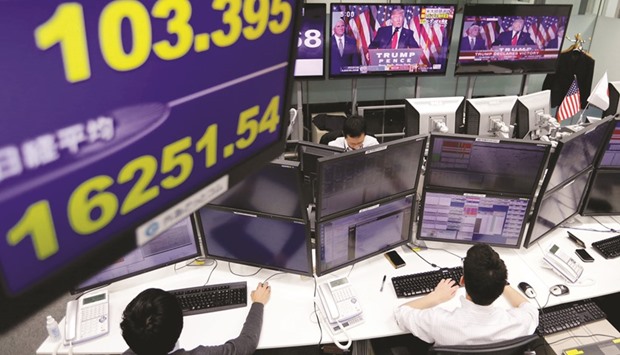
600, 95
571, 103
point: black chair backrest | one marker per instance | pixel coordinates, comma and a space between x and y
516, 346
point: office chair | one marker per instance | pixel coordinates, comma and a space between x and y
518, 346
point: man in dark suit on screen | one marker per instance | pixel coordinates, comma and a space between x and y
516, 37
472, 41
395, 36
343, 49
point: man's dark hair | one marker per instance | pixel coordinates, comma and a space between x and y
484, 273
354, 126
152, 322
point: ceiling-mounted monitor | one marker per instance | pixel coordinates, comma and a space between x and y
511, 38
311, 42
434, 115
389, 39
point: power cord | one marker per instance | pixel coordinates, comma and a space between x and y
604, 226
317, 314
232, 272
211, 273
420, 256
277, 273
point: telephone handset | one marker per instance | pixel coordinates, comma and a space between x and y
563, 263
339, 300
87, 317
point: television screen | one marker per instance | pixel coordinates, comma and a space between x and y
275, 190
491, 116
611, 156
311, 42
472, 218
576, 153
133, 127
363, 233
556, 207
506, 166
359, 177
254, 239
511, 39
178, 243
387, 39
603, 194
433, 115
530, 109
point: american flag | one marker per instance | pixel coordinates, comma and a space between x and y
430, 35
571, 103
549, 29
489, 30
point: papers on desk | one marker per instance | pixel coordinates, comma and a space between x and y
605, 347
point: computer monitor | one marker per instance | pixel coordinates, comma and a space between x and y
576, 153
275, 189
614, 98
361, 177
311, 42
482, 165
434, 115
384, 122
555, 207
309, 154
176, 244
460, 217
360, 234
488, 46
611, 154
530, 109
491, 116
603, 196
420, 48
259, 240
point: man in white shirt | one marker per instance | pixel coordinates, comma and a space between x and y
477, 321
355, 137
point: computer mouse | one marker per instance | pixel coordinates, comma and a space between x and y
559, 290
527, 289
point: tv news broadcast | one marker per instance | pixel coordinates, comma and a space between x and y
387, 39
511, 39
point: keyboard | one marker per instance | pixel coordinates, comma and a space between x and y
568, 315
212, 298
425, 282
609, 248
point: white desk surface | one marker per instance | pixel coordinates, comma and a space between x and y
289, 318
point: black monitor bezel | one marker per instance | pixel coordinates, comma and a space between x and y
616, 123
390, 74
463, 192
303, 222
383, 147
290, 164
588, 197
412, 211
535, 185
561, 143
198, 242
509, 10
541, 197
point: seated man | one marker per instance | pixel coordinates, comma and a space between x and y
152, 323
477, 321
355, 137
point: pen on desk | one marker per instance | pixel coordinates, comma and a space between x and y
576, 240
382, 283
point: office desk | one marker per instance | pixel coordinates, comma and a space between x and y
289, 318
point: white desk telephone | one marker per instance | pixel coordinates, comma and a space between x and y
87, 317
563, 264
339, 301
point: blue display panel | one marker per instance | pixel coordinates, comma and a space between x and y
472, 218
114, 111
361, 234
255, 239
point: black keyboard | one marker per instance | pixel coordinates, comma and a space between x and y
568, 315
609, 248
425, 282
212, 298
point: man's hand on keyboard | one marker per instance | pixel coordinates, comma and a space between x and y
445, 290
262, 293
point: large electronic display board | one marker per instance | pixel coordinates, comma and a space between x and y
119, 118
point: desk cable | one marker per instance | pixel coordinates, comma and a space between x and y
316, 314
604, 226
248, 275
211, 273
